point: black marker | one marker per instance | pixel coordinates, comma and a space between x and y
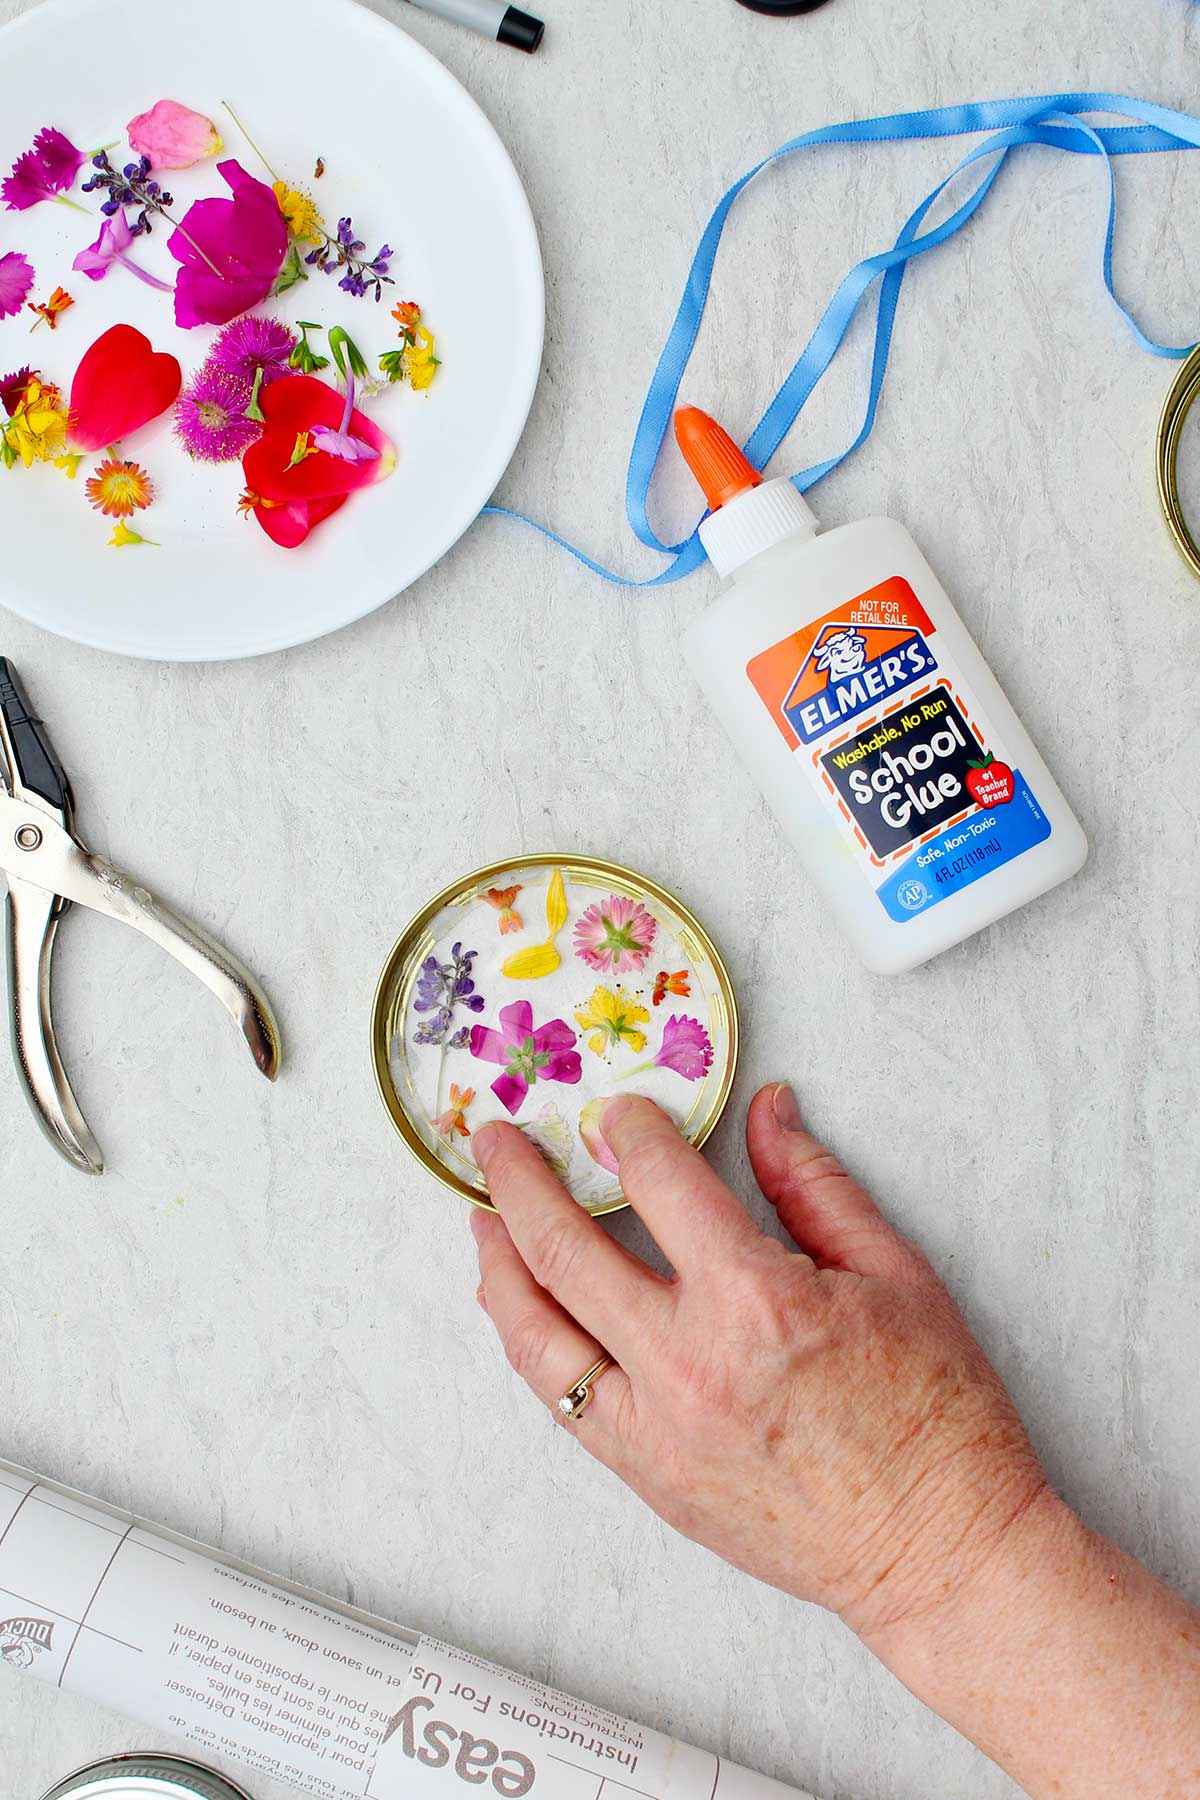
492, 18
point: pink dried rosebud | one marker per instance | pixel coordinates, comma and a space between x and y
173, 136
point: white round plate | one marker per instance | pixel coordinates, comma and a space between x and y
410, 157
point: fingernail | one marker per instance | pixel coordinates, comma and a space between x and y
614, 1112
477, 1224
787, 1112
484, 1145
481, 1297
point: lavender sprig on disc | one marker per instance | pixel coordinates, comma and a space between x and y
441, 987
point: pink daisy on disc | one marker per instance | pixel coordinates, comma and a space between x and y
615, 934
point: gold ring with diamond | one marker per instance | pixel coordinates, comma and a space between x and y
577, 1399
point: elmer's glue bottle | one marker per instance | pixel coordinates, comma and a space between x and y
869, 719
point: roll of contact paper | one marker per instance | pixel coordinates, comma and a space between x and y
256, 1674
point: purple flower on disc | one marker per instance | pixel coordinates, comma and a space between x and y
526, 1056
440, 988
229, 251
16, 280
252, 343
44, 172
210, 417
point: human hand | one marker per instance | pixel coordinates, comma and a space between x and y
820, 1417
824, 1419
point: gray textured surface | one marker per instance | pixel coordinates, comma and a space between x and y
260, 1327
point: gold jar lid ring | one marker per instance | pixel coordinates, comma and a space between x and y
1176, 406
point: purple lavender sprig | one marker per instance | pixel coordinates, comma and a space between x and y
345, 253
440, 988
131, 187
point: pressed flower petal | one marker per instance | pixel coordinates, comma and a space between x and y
173, 136
16, 281
589, 1131
511, 1091
121, 384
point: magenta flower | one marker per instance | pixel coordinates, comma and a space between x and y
112, 246
16, 279
248, 345
230, 251
686, 1048
210, 417
616, 934
526, 1056
44, 172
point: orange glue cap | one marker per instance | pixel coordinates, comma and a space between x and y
713, 457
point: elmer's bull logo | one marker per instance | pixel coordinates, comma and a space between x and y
472, 1759
849, 669
23, 1640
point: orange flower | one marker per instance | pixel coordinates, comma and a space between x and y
57, 303
250, 502
119, 489
407, 315
454, 1119
665, 984
502, 899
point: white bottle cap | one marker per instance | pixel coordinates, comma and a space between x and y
754, 521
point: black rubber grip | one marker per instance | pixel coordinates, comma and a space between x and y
520, 30
38, 769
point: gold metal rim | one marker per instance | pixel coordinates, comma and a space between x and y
1176, 406
385, 987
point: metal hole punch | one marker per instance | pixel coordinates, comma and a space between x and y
48, 869
1176, 406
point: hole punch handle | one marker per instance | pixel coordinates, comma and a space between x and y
33, 766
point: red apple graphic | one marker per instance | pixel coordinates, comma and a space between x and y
989, 783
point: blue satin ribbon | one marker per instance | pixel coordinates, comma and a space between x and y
1052, 120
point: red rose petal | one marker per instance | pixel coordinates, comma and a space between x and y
121, 384
299, 403
289, 525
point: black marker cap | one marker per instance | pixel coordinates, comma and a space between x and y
521, 30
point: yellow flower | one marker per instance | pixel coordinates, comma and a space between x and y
122, 536
37, 430
613, 1016
69, 464
119, 489
302, 447
420, 364
300, 211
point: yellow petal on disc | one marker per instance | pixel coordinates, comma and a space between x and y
556, 904
531, 964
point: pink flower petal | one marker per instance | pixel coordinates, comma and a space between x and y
511, 1092
565, 1066
593, 1137
686, 1049
173, 136
517, 1020
488, 1045
16, 280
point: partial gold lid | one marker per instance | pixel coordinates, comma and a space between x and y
1176, 406
534, 990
